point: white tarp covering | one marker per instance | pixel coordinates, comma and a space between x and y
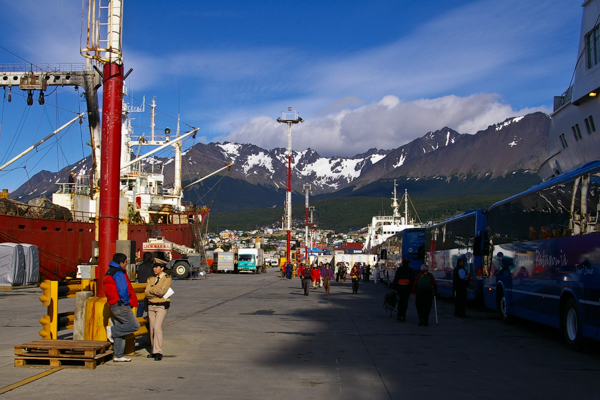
12, 264
32, 264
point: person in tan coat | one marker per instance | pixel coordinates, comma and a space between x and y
156, 287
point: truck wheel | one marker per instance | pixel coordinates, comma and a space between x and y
181, 270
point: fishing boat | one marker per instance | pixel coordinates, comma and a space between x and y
574, 136
65, 229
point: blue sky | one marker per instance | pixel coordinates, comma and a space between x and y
362, 74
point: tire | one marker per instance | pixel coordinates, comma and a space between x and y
181, 270
501, 304
572, 325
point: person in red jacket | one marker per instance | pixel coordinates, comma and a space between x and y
315, 275
121, 298
424, 288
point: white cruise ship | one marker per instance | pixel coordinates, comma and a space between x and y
382, 227
574, 136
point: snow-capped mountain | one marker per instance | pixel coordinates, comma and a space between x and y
258, 176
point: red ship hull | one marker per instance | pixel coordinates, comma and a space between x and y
63, 245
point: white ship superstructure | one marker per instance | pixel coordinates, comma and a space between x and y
574, 136
383, 227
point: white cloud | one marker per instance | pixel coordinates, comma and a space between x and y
386, 124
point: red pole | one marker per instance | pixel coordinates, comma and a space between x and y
110, 155
289, 198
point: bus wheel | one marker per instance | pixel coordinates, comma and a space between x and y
180, 270
572, 325
502, 306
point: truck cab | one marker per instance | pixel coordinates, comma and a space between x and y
251, 260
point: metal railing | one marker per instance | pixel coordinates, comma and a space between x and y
43, 67
18, 209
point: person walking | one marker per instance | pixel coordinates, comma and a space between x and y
362, 271
403, 282
289, 270
355, 276
321, 268
306, 278
424, 288
460, 286
327, 277
144, 271
376, 273
315, 275
367, 272
301, 275
343, 272
121, 298
156, 288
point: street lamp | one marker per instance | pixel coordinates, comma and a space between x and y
306, 188
289, 117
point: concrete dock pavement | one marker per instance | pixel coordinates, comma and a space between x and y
258, 337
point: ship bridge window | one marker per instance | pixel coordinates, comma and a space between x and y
592, 43
563, 140
587, 126
576, 132
592, 123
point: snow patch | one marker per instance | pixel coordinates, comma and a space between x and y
400, 161
258, 160
508, 122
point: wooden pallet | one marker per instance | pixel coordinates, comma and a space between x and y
62, 362
80, 349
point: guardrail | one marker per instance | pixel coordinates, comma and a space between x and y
52, 291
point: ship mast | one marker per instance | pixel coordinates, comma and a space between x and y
395, 206
177, 145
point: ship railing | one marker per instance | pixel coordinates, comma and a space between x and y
563, 99
76, 188
56, 213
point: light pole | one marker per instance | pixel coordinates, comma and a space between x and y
312, 226
306, 188
289, 117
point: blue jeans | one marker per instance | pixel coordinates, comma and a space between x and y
125, 323
141, 307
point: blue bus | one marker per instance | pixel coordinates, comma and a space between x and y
460, 236
544, 256
404, 244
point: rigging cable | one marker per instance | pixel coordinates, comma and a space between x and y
15, 138
2, 117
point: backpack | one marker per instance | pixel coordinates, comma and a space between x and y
307, 273
424, 282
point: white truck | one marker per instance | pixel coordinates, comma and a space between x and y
251, 260
223, 261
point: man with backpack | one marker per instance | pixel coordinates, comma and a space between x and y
403, 282
424, 288
306, 279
